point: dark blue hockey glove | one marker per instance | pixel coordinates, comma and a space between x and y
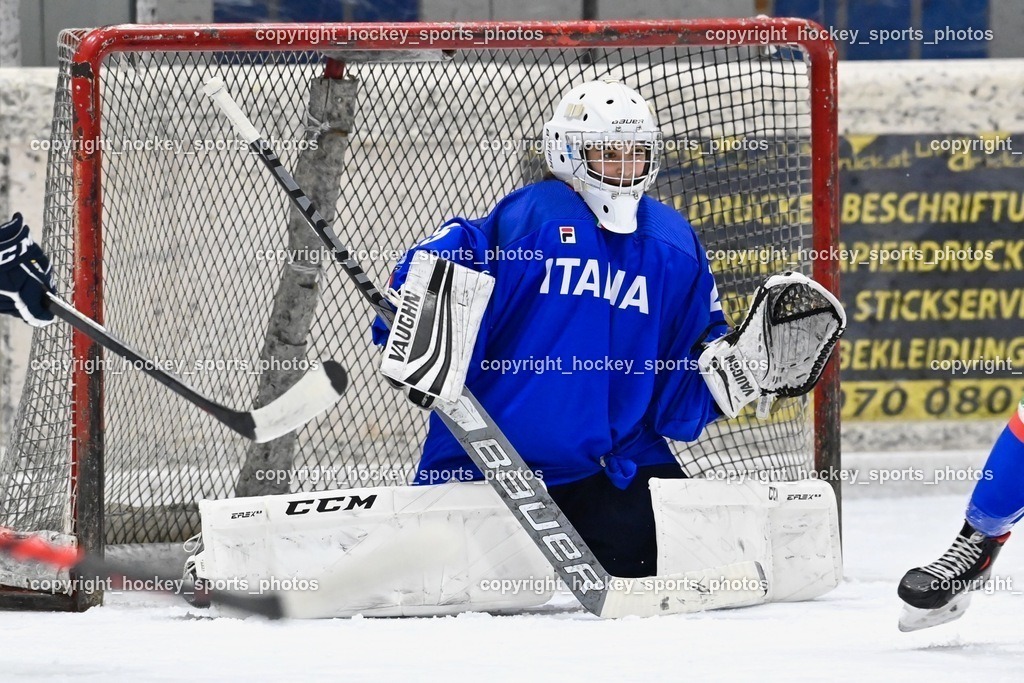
25, 275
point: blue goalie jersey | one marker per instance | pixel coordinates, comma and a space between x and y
586, 358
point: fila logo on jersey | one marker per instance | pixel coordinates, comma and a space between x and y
576, 277
568, 234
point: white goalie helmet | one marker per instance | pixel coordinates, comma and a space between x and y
615, 125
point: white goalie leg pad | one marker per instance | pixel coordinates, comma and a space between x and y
436, 326
791, 528
385, 551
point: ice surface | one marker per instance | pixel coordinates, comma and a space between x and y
848, 635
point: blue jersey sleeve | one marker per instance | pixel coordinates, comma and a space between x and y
683, 403
459, 240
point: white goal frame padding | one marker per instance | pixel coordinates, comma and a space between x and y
450, 548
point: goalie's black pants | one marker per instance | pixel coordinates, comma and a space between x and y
617, 524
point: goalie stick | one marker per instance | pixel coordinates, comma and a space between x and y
734, 585
315, 392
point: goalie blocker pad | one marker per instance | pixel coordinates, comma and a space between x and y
436, 325
449, 548
779, 350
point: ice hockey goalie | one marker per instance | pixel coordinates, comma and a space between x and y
577, 268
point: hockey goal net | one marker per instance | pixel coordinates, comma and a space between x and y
163, 227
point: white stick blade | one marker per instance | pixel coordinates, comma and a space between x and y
735, 585
317, 391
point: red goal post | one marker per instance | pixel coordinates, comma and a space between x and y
95, 193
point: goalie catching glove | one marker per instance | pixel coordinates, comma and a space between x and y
435, 329
779, 350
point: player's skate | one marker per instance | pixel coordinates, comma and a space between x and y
941, 591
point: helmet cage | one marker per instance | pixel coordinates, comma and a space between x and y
581, 142
614, 116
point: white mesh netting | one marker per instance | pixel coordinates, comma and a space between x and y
187, 231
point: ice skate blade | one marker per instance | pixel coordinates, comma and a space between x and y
914, 619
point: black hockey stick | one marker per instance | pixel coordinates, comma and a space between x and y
315, 392
30, 548
505, 470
